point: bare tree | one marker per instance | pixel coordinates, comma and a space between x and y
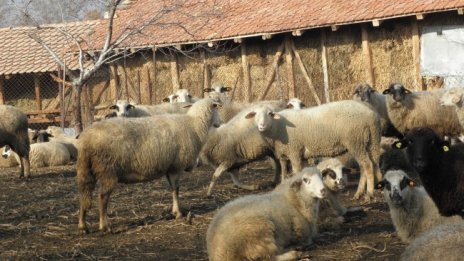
91, 61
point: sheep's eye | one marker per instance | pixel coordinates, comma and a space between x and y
305, 180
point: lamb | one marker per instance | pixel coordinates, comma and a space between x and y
7, 162
233, 145
129, 150
454, 97
366, 94
125, 109
44, 154
420, 109
440, 168
411, 208
181, 95
261, 227
13, 132
444, 242
327, 130
57, 134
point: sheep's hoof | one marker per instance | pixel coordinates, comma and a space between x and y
106, 230
83, 231
357, 196
178, 215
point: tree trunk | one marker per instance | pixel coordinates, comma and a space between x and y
77, 112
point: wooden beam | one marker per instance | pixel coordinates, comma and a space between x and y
175, 73
298, 32
324, 66
461, 11
271, 75
289, 63
2, 90
114, 83
246, 73
237, 40
376, 22
416, 55
206, 75
38, 97
367, 55
266, 36
334, 27
305, 74
211, 44
420, 16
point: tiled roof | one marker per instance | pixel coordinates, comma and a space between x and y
19, 53
210, 20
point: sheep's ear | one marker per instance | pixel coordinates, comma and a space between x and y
296, 185
227, 89
456, 99
110, 115
274, 115
113, 107
130, 107
250, 115
207, 90
303, 105
165, 99
399, 145
289, 106
187, 106
380, 185
387, 91
412, 183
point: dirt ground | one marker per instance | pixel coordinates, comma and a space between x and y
38, 220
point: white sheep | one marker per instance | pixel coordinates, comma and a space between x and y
181, 95
295, 103
57, 134
235, 144
126, 109
444, 242
13, 132
218, 92
366, 94
411, 209
129, 150
454, 97
262, 227
43, 154
408, 110
327, 130
5, 161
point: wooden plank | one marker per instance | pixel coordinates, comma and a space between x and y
206, 74
416, 54
271, 76
289, 65
138, 88
146, 88
2, 90
61, 95
114, 83
334, 27
38, 97
420, 16
305, 74
174, 73
325, 71
367, 55
461, 11
376, 22
153, 77
246, 73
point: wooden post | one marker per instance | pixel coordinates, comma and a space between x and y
271, 76
289, 62
38, 99
61, 96
306, 75
114, 83
175, 73
2, 90
206, 74
146, 94
367, 55
325, 71
416, 55
153, 78
246, 73
138, 90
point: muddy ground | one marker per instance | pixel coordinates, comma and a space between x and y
38, 220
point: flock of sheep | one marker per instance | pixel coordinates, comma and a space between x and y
420, 171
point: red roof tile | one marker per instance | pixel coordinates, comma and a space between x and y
19, 53
198, 21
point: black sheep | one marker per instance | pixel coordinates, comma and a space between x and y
440, 168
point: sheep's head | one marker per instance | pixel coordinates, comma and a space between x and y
6, 152
263, 117
309, 183
397, 91
396, 186
122, 108
423, 146
181, 95
295, 103
333, 174
452, 97
218, 87
170, 99
363, 92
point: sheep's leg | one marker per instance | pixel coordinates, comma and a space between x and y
284, 169
173, 180
217, 173
106, 187
287, 256
86, 185
21, 166
237, 183
367, 178
27, 166
297, 164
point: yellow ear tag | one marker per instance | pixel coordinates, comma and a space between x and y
445, 148
398, 145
